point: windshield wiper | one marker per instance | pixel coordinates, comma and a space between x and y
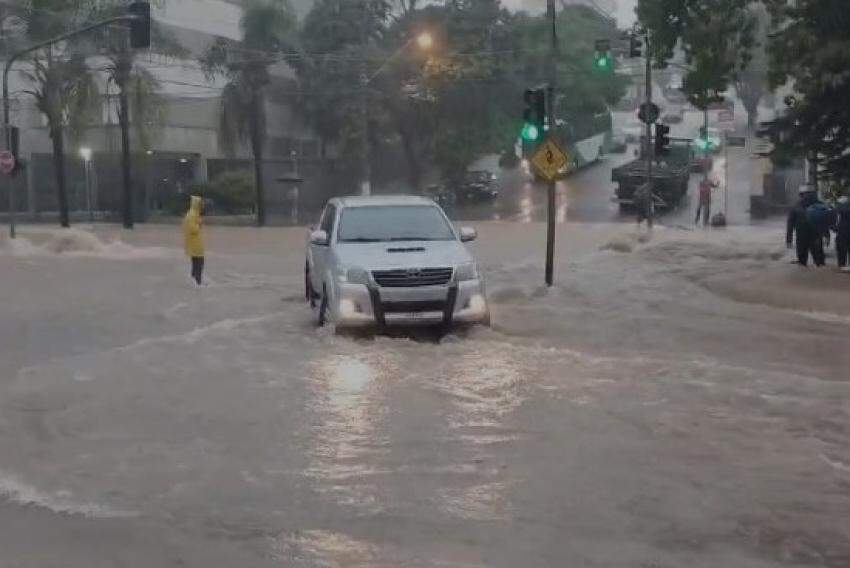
361, 240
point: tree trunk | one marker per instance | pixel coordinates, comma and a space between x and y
56, 136
413, 168
256, 134
127, 185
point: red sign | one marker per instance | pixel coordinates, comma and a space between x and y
7, 162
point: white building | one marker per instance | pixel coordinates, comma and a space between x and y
185, 147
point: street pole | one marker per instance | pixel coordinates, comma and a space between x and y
366, 157
550, 96
726, 177
649, 148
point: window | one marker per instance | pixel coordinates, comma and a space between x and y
394, 223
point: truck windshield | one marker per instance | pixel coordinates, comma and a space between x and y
393, 223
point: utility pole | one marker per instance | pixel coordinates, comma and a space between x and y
365, 151
649, 147
550, 214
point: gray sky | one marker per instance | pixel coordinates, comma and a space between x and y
623, 10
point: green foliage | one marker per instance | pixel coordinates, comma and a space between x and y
456, 102
716, 37
809, 48
751, 83
231, 192
268, 29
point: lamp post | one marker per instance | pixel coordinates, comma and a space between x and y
425, 42
85, 154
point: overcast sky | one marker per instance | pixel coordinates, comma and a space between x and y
623, 10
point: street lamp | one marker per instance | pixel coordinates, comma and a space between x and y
425, 42
85, 154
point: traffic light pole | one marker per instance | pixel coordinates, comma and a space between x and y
649, 148
550, 96
7, 134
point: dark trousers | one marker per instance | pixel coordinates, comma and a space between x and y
704, 207
807, 244
842, 249
197, 268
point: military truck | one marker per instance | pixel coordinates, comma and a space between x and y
670, 175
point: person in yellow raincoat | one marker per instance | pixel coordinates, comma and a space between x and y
193, 237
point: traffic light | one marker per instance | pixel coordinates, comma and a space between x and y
602, 55
662, 139
635, 45
704, 142
534, 115
140, 25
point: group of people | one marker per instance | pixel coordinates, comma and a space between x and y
812, 221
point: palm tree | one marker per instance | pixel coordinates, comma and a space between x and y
63, 88
267, 26
131, 80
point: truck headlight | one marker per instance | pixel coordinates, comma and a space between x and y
354, 276
468, 271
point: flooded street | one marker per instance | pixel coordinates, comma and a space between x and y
679, 400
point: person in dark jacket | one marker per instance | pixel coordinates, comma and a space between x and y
808, 237
842, 233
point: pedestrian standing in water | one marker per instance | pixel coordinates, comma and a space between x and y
193, 237
842, 233
704, 206
802, 229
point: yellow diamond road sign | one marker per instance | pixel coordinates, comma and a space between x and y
548, 159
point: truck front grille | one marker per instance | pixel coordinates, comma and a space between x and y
412, 277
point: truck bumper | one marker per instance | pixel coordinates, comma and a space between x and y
359, 305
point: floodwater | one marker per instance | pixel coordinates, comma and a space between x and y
679, 399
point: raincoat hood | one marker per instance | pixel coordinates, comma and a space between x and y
195, 205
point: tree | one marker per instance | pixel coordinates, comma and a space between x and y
132, 81
343, 41
267, 31
751, 82
63, 88
716, 37
808, 50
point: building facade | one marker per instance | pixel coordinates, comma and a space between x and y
183, 148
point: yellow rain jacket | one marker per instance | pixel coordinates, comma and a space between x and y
193, 237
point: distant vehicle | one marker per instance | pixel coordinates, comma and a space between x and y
633, 130
670, 176
441, 195
477, 185
392, 260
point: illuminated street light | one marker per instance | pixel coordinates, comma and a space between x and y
424, 41
85, 153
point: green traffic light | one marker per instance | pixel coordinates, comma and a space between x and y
602, 62
703, 144
529, 132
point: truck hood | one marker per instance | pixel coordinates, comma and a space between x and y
401, 254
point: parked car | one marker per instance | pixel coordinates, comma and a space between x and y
477, 185
392, 260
